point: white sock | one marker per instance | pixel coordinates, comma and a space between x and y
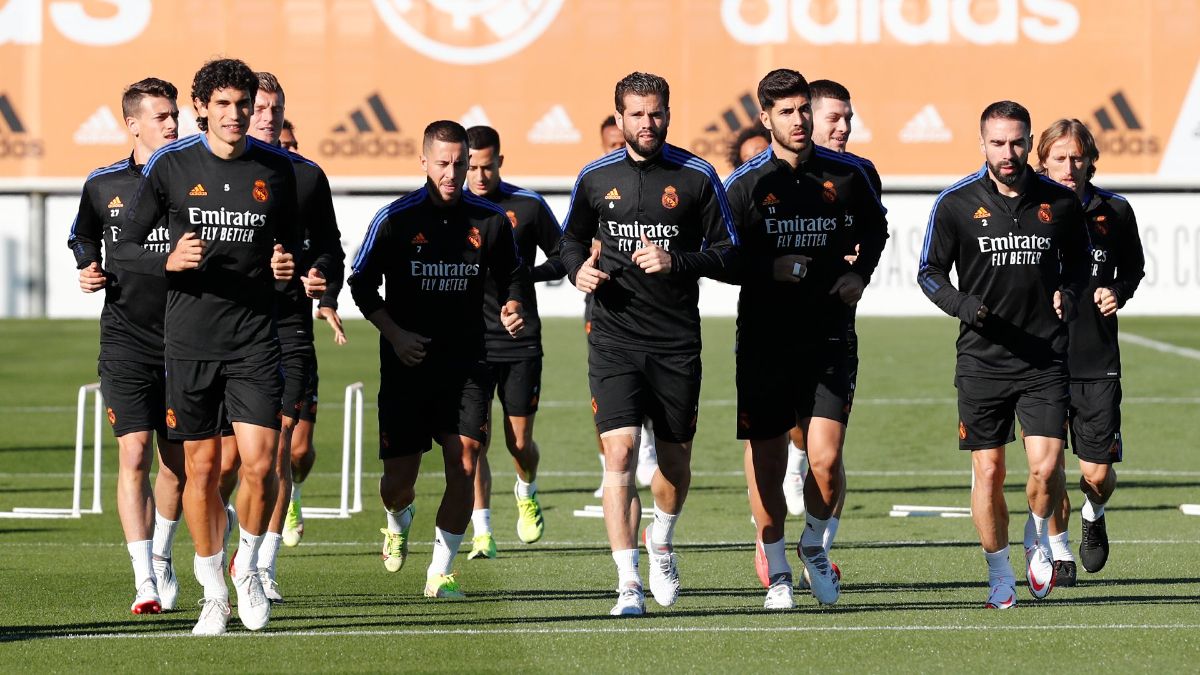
296, 490
1091, 511
164, 535
601, 462
445, 547
525, 490
814, 531
210, 572
663, 531
1060, 548
1030, 537
795, 461
268, 550
139, 555
830, 533
481, 521
1039, 529
399, 521
245, 561
777, 562
647, 452
627, 567
999, 566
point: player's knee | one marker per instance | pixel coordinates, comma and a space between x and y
990, 475
1099, 476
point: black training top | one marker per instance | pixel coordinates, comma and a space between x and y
1012, 254
321, 248
432, 260
131, 323
675, 200
534, 226
820, 209
240, 208
1119, 264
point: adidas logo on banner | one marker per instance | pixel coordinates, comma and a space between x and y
372, 132
1127, 137
101, 128
926, 127
362, 125
730, 121
554, 127
187, 122
15, 142
860, 131
475, 117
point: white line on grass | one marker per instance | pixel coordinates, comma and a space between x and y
523, 630
1164, 347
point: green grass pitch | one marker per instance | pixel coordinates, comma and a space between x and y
913, 588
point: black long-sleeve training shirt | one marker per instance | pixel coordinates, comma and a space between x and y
534, 226
432, 260
676, 200
321, 248
820, 209
240, 208
1118, 263
131, 323
1012, 254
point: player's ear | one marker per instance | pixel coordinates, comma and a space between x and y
764, 118
500, 161
132, 124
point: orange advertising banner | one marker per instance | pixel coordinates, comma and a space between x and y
363, 77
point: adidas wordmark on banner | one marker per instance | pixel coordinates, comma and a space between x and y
554, 127
101, 128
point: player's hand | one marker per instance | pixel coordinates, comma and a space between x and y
283, 265
1058, 304
853, 257
790, 268
589, 277
186, 253
848, 287
91, 278
511, 318
409, 346
314, 283
331, 317
1104, 298
652, 258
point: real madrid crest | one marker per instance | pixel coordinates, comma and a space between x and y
670, 198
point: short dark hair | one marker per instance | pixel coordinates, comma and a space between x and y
1009, 110
222, 74
610, 121
151, 86
828, 89
781, 83
735, 148
482, 137
287, 124
642, 84
447, 131
270, 84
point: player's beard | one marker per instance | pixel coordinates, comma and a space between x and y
1012, 178
784, 138
649, 148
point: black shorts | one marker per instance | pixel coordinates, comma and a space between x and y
629, 386
852, 359
416, 405
297, 368
986, 407
135, 395
248, 389
519, 384
775, 392
309, 412
1095, 415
